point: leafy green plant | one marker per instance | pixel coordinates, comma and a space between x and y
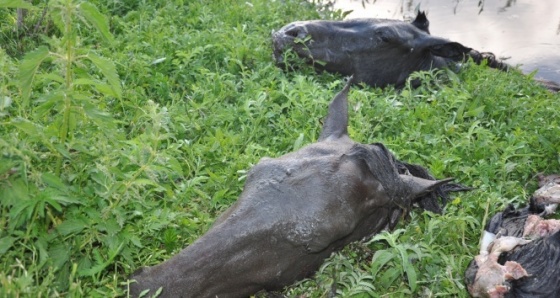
127, 127
70, 88
399, 257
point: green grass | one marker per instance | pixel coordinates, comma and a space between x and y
123, 154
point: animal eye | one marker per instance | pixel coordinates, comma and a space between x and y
383, 37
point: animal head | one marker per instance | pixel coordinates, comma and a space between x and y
294, 211
377, 52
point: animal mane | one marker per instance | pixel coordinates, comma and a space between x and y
386, 168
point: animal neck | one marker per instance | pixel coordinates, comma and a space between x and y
204, 267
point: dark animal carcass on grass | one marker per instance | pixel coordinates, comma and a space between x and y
520, 249
294, 211
378, 52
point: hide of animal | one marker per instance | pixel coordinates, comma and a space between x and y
377, 52
294, 211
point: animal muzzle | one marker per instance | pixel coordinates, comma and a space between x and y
287, 37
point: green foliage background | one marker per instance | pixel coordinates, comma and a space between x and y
126, 127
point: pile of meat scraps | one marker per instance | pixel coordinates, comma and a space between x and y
520, 249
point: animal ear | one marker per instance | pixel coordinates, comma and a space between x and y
421, 22
336, 124
419, 186
440, 47
452, 50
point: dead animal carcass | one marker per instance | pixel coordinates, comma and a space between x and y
378, 52
294, 211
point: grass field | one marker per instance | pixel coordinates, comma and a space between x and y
126, 127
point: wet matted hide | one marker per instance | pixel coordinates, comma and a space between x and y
378, 52
295, 211
520, 249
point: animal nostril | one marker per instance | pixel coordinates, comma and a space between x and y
293, 32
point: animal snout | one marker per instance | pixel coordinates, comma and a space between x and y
296, 32
292, 31
288, 37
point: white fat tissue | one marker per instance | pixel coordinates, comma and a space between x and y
487, 238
